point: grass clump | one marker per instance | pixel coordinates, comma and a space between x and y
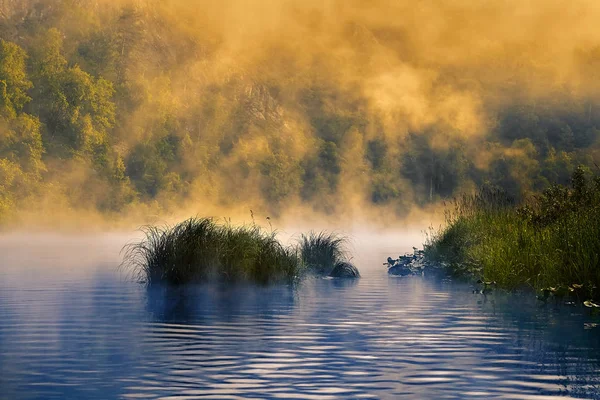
199, 250
551, 240
321, 252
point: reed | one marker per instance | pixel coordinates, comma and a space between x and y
199, 250
321, 252
551, 240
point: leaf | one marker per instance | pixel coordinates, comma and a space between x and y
591, 304
576, 286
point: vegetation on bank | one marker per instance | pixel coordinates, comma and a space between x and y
201, 250
550, 241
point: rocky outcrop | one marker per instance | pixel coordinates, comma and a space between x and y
409, 264
400, 270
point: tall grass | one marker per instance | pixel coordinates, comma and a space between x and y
321, 252
198, 250
550, 240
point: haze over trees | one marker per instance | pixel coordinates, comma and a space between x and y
112, 105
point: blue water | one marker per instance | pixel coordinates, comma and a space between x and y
73, 327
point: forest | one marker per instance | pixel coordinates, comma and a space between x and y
111, 106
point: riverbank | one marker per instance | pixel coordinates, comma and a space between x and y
549, 242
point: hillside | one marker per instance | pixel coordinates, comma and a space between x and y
111, 106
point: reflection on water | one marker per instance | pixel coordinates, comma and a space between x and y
207, 302
87, 333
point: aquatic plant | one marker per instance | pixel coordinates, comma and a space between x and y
548, 241
321, 252
344, 270
199, 249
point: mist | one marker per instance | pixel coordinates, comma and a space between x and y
333, 113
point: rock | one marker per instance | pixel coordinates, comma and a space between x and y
344, 270
409, 264
400, 270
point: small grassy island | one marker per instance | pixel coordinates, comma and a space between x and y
201, 250
550, 242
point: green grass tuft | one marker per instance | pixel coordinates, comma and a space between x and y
199, 250
320, 252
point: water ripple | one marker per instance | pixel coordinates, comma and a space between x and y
93, 335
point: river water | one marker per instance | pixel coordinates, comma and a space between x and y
73, 327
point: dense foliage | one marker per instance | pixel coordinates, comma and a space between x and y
109, 105
550, 241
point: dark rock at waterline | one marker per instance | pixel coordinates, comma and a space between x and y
400, 270
344, 270
409, 264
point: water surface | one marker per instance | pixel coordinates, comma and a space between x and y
72, 327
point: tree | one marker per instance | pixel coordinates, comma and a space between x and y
22, 143
76, 108
14, 83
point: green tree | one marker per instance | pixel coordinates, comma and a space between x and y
76, 108
21, 143
281, 177
14, 83
321, 171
